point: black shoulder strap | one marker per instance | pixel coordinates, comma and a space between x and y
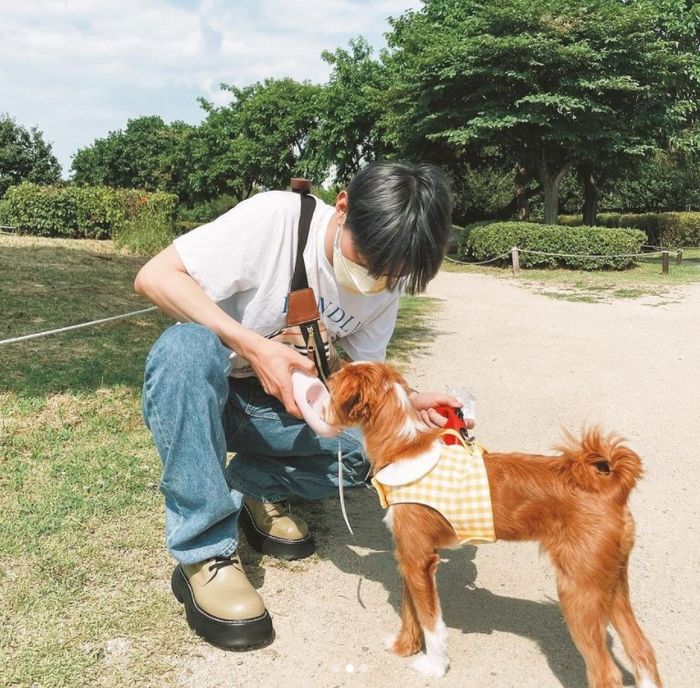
308, 203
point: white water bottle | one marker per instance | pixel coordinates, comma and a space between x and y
466, 398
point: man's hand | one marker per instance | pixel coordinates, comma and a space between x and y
273, 363
426, 403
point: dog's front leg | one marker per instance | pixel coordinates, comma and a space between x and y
418, 570
409, 639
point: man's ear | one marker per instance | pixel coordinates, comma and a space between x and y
341, 203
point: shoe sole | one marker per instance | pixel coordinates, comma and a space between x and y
274, 546
228, 634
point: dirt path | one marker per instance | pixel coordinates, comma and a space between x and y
535, 365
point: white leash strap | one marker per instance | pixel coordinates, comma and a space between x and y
340, 489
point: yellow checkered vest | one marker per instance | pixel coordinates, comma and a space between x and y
457, 486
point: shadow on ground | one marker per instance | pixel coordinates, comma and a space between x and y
465, 606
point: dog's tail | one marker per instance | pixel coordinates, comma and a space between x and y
598, 463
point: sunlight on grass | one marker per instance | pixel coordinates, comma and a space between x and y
644, 279
84, 573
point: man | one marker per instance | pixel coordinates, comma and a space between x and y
216, 383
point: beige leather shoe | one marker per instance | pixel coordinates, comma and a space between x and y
220, 603
271, 528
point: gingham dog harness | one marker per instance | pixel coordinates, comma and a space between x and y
450, 479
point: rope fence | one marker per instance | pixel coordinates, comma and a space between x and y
515, 252
46, 333
483, 262
593, 255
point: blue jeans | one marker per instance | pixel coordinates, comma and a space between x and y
196, 413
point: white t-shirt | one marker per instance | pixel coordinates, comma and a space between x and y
244, 261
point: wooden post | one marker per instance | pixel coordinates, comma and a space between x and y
515, 257
664, 262
679, 256
300, 185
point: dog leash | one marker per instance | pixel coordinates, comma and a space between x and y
340, 488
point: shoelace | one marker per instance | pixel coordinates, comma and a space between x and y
282, 508
220, 563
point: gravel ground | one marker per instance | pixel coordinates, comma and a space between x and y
536, 365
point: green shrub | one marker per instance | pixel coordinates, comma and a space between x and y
146, 233
3, 213
491, 240
662, 229
184, 226
328, 196
206, 211
81, 212
612, 220
571, 220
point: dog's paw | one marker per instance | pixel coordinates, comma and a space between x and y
389, 640
434, 667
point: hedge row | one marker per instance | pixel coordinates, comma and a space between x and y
487, 241
77, 212
662, 229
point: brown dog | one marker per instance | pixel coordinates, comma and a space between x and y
574, 505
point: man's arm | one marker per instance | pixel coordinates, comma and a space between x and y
165, 282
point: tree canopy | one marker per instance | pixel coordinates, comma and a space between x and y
515, 93
551, 83
24, 156
148, 154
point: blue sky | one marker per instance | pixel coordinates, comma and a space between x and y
77, 69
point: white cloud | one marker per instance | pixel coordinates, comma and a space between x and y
79, 68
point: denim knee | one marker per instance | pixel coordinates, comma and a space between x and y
192, 350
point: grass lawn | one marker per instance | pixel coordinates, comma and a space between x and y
84, 574
645, 279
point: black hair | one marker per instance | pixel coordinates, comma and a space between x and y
400, 215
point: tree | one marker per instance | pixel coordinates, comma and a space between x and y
149, 154
259, 140
25, 156
552, 83
349, 134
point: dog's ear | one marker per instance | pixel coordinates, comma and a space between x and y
348, 395
354, 408
355, 391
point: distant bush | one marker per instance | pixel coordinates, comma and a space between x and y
78, 212
206, 211
662, 229
3, 213
488, 241
146, 233
184, 226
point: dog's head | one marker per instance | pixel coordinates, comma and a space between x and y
364, 393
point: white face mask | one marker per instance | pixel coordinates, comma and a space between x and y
352, 276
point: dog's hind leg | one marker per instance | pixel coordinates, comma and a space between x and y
585, 609
636, 645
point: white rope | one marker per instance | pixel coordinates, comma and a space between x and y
585, 255
483, 262
341, 493
75, 327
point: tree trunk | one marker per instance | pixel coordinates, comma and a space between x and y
591, 194
551, 180
522, 204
